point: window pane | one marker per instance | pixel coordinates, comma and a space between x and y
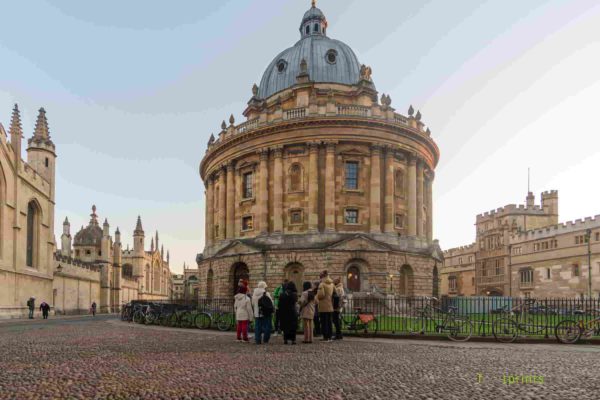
247, 182
352, 175
351, 216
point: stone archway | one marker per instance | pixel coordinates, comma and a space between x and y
353, 278
294, 272
406, 281
356, 275
239, 270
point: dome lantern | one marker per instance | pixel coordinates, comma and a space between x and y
313, 22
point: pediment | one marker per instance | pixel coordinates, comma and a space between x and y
358, 242
236, 248
353, 151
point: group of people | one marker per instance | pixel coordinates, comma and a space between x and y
45, 308
318, 307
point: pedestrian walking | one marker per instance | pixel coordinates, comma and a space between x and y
338, 300
93, 308
324, 295
289, 314
307, 311
44, 308
243, 313
276, 294
263, 306
31, 306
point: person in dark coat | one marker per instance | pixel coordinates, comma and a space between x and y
289, 314
31, 306
316, 320
45, 308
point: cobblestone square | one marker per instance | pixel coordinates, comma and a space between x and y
83, 358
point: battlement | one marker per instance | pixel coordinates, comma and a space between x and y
69, 261
459, 250
559, 229
511, 209
550, 193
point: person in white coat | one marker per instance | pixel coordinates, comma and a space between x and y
243, 313
263, 305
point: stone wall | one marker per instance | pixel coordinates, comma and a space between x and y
75, 289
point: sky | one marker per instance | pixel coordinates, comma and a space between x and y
133, 90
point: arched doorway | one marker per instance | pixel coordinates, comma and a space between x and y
239, 271
294, 272
209, 284
353, 278
406, 281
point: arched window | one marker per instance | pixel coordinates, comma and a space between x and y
240, 271
296, 178
399, 183
156, 278
307, 29
33, 218
353, 279
316, 28
406, 280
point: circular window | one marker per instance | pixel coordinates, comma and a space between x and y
331, 56
281, 65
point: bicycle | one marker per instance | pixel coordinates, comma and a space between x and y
434, 319
224, 321
361, 321
570, 331
518, 319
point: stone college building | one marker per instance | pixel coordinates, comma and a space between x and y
322, 174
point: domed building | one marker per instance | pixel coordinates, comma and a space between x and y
322, 175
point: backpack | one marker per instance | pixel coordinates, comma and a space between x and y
265, 305
335, 299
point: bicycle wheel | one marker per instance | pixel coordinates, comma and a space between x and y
186, 320
505, 330
533, 323
567, 331
225, 322
151, 318
138, 317
203, 320
459, 329
416, 323
173, 320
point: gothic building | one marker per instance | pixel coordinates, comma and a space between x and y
322, 174
26, 215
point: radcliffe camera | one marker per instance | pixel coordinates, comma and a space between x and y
294, 199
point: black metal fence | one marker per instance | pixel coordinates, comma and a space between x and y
395, 315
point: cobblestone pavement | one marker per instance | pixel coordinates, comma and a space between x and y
105, 358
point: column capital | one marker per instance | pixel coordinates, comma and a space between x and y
313, 147
263, 153
277, 151
230, 166
330, 146
376, 149
429, 174
412, 158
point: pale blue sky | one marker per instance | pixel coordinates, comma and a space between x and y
134, 89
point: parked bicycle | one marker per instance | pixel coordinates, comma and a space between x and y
519, 319
429, 318
361, 321
570, 331
224, 321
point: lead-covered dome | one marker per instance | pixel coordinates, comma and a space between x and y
327, 60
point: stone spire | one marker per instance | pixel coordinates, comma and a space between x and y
168, 256
138, 227
16, 131
162, 251
41, 126
156, 240
152, 245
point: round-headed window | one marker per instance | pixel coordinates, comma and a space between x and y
281, 65
331, 56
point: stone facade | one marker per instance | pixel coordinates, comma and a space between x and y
178, 286
523, 251
26, 216
322, 175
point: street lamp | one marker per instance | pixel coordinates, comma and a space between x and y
588, 239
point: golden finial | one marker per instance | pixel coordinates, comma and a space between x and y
314, 3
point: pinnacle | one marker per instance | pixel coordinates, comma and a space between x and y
41, 125
66, 221
138, 225
15, 122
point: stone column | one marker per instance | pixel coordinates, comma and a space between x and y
420, 197
278, 190
263, 192
330, 187
412, 195
313, 187
222, 201
375, 190
230, 200
210, 212
429, 200
389, 191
